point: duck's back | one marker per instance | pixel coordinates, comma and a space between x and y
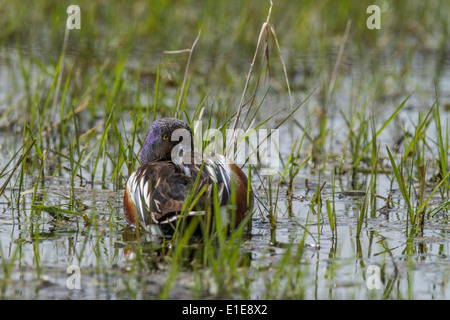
156, 192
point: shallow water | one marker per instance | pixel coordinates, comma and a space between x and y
332, 268
36, 251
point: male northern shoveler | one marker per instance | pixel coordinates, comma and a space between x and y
156, 191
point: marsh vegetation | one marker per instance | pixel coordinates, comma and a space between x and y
363, 177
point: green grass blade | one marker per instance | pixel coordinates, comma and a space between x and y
400, 107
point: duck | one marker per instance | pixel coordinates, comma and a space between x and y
169, 169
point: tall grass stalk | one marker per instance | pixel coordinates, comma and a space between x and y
331, 209
443, 151
185, 85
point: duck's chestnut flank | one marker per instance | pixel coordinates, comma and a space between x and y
156, 191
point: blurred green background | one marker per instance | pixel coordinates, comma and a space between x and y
229, 29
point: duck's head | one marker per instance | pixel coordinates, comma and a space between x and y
162, 137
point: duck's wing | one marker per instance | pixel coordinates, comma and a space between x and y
158, 191
215, 169
230, 180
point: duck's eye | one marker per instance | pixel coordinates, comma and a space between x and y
165, 137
